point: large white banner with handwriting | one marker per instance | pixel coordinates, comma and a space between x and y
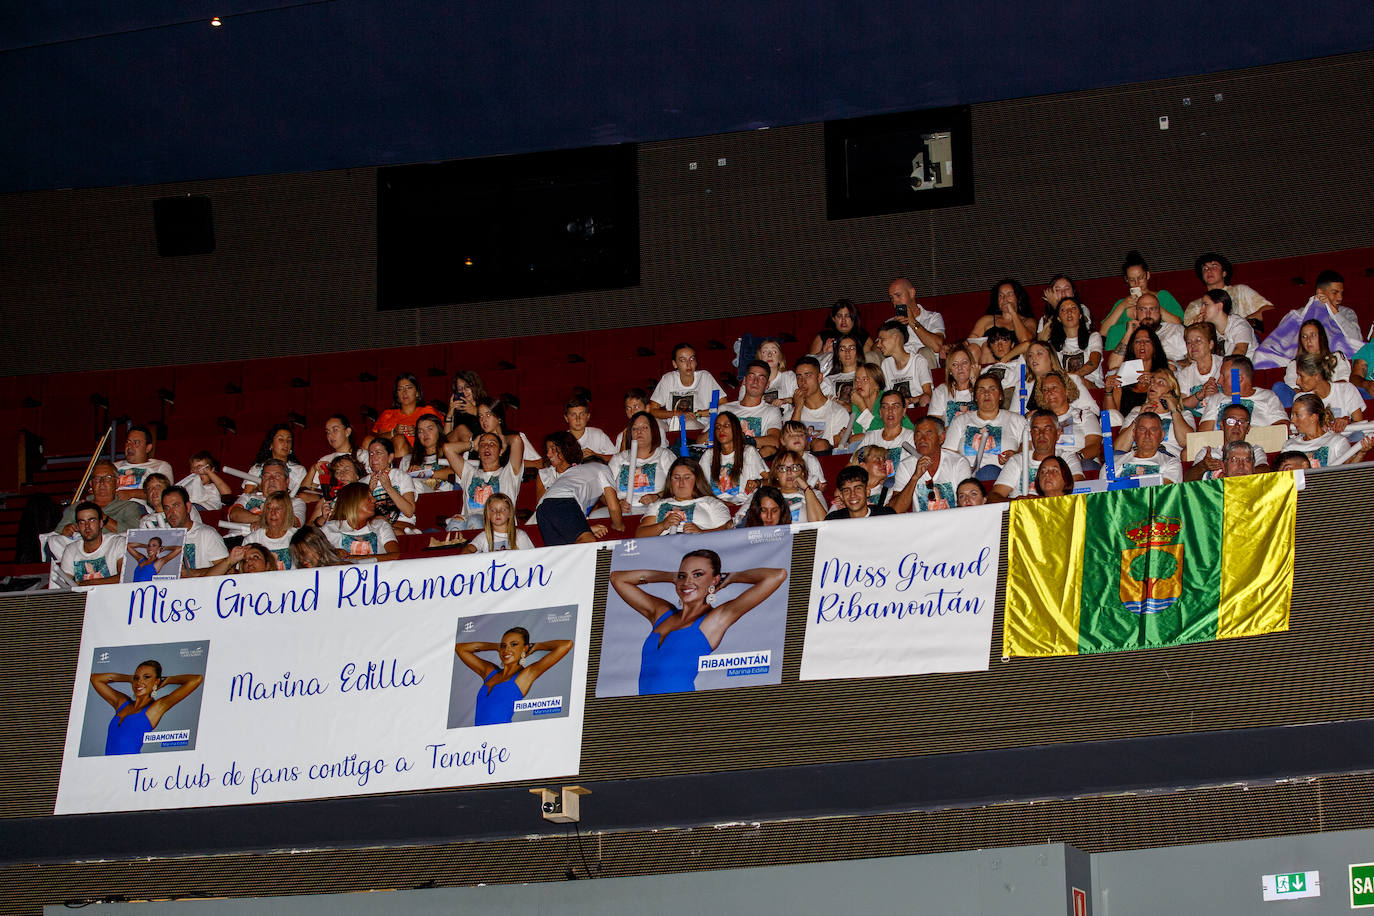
903, 594
350, 680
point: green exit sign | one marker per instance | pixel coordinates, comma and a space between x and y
1362, 885
1292, 886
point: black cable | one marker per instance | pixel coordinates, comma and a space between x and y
581, 852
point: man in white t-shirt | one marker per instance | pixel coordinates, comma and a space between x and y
761, 421
576, 413
937, 472
1148, 457
247, 509
138, 463
1149, 315
1265, 407
927, 337
902, 371
1235, 427
94, 558
826, 421
204, 547
1044, 438
686, 389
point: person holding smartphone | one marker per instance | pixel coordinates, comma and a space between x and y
460, 421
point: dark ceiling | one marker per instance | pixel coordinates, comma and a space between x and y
98, 94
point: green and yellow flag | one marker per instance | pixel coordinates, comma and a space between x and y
1150, 567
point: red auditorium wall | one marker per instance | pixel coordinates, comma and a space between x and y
1260, 164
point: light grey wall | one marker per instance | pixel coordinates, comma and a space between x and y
1028, 881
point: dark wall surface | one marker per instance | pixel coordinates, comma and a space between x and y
135, 93
1275, 168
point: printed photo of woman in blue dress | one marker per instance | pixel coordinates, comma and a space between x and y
139, 714
682, 633
509, 682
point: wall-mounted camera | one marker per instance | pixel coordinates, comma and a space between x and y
560, 807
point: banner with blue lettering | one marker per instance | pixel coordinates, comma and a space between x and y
695, 612
899, 595
315, 683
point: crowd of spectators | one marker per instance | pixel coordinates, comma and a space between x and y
1023, 407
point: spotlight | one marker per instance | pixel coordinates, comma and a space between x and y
216, 22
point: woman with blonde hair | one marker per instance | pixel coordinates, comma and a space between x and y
1162, 397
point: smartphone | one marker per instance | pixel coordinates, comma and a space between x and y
901, 310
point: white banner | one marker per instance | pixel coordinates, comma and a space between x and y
349, 680
904, 594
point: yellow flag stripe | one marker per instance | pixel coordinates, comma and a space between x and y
1257, 555
1044, 594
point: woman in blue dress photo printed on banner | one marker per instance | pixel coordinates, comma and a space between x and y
681, 634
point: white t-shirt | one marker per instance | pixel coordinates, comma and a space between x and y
1327, 449
478, 485
1244, 302
827, 421
911, 379
651, 474
753, 469
1073, 357
295, 475
933, 322
969, 431
1343, 400
947, 406
280, 547
1238, 331
131, 475
1173, 438
1011, 471
1011, 374
595, 441
105, 560
953, 468
582, 483
1171, 336
1340, 374
1191, 381
368, 541
1132, 465
671, 393
895, 452
781, 388
254, 502
402, 483
202, 494
760, 420
705, 512
203, 547
1075, 426
479, 541
1265, 408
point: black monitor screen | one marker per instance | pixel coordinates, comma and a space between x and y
507, 227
